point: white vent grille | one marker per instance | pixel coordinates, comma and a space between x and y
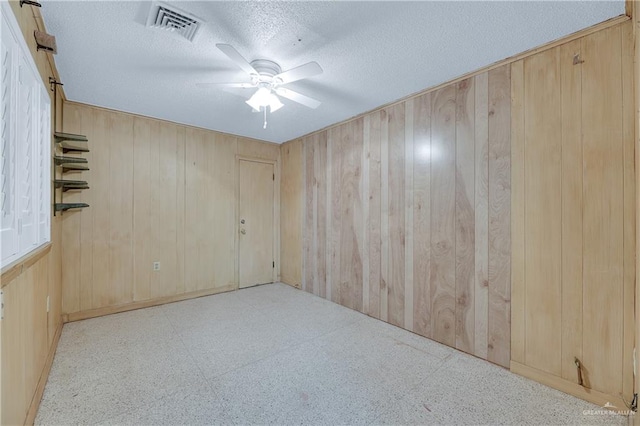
172, 19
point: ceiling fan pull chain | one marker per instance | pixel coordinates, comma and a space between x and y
265, 118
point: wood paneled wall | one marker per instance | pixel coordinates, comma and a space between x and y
159, 192
633, 9
407, 214
410, 216
291, 191
28, 333
574, 213
28, 337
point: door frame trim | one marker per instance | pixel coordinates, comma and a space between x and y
276, 216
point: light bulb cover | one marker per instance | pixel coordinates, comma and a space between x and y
264, 98
253, 104
274, 103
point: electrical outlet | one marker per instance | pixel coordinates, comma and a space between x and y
156, 266
48, 305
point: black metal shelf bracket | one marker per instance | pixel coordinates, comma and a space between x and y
30, 3
69, 142
61, 207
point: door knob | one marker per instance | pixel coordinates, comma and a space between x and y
242, 231
242, 221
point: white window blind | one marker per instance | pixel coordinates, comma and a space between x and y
25, 150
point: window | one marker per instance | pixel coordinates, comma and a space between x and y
25, 152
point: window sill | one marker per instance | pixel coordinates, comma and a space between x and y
15, 268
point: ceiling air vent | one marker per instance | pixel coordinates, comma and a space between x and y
173, 19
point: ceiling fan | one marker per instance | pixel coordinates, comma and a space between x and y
268, 78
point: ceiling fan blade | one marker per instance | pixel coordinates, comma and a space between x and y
240, 92
236, 57
236, 85
298, 97
298, 73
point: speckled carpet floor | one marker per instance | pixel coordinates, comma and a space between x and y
276, 355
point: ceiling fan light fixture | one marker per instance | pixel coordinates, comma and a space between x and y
268, 78
275, 103
253, 105
264, 98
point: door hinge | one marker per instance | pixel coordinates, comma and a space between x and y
1, 305
274, 176
273, 264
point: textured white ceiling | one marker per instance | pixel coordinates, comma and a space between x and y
372, 53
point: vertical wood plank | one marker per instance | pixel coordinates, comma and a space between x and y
443, 268
155, 193
384, 215
349, 289
71, 234
481, 220
208, 238
305, 232
499, 216
199, 212
422, 215
308, 149
15, 403
291, 213
329, 209
314, 225
121, 211
320, 167
193, 143
32, 314
408, 215
465, 215
165, 195
636, 120
86, 220
142, 226
630, 212
571, 149
543, 226
337, 155
373, 218
396, 145
518, 326
603, 216
180, 208
100, 145
364, 190
224, 214
13, 327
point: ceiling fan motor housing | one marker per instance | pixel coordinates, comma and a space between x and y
266, 70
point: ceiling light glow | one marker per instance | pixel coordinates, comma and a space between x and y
264, 98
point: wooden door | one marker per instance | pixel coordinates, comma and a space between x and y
256, 223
